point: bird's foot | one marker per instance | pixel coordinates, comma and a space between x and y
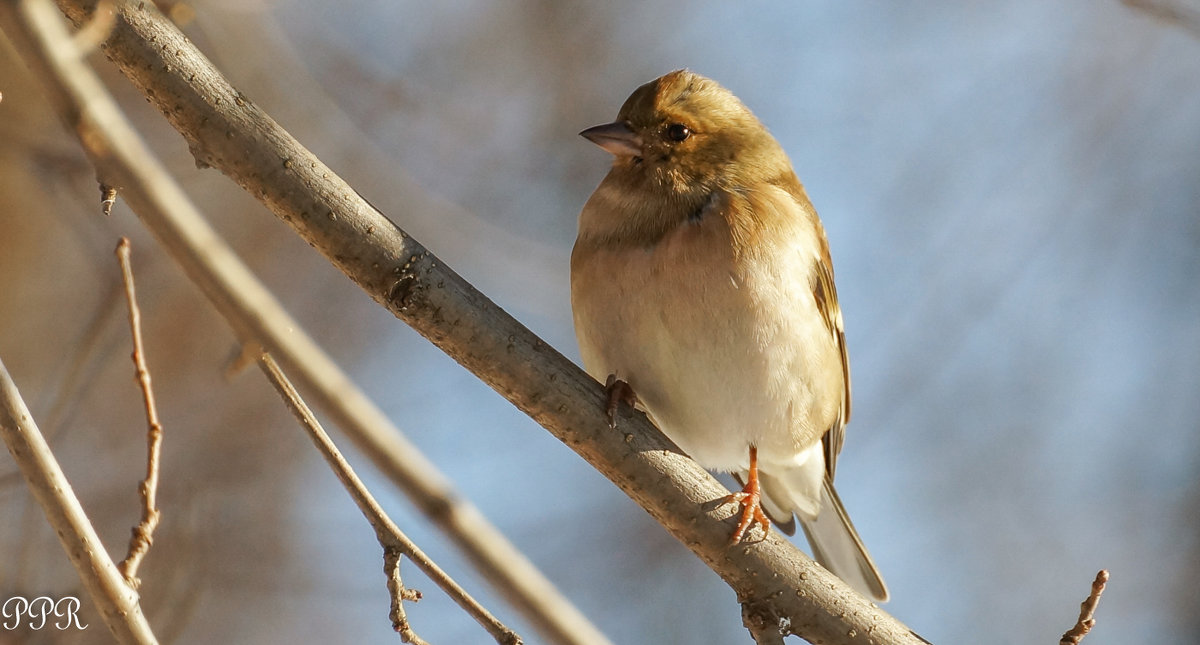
752, 513
618, 391
750, 499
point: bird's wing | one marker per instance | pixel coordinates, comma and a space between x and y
825, 293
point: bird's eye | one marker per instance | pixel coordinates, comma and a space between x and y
678, 132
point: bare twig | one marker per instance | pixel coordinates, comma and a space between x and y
1086, 610
400, 594
116, 600
391, 538
143, 533
120, 156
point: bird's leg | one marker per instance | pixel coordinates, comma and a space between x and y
751, 500
617, 391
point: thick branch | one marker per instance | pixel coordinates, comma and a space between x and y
227, 131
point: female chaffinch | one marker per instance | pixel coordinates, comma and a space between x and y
701, 284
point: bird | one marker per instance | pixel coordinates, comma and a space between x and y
702, 292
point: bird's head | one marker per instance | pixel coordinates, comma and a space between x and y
685, 134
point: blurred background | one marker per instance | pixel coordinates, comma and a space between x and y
1012, 195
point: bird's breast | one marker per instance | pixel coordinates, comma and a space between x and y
720, 347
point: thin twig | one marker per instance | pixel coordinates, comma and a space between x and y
143, 533
116, 600
1086, 610
390, 537
400, 594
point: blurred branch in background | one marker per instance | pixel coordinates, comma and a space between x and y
1184, 13
244, 143
123, 161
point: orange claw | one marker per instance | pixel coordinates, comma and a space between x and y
750, 499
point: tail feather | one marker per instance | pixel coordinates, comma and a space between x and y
805, 489
837, 546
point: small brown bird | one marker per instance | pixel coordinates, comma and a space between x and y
702, 289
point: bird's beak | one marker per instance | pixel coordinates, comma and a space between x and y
616, 138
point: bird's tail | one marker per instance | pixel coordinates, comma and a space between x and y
836, 545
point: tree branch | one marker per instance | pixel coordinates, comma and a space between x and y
400, 594
1087, 612
116, 600
143, 533
391, 538
227, 131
